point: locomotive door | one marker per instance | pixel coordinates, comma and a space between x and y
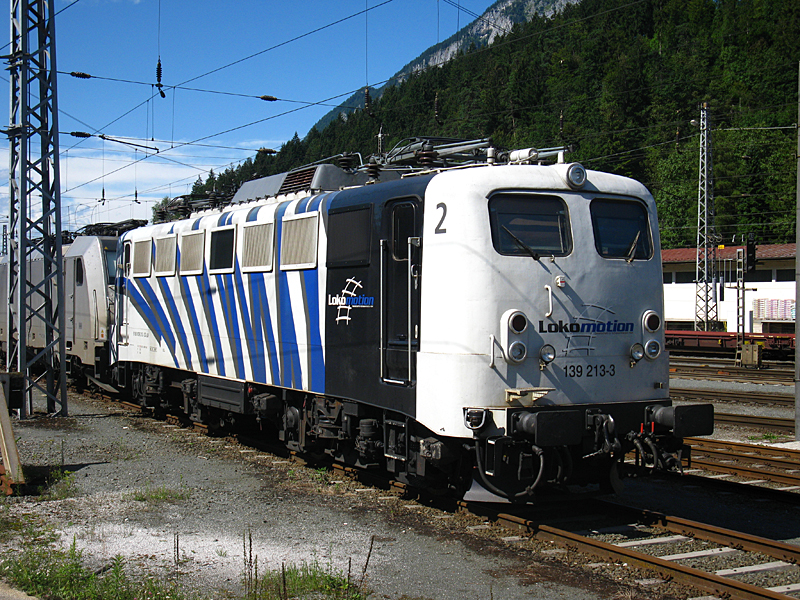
124, 302
69, 283
401, 260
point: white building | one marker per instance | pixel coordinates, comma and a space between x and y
769, 296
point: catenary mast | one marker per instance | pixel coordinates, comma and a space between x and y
35, 273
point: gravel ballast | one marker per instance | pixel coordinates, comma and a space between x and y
224, 493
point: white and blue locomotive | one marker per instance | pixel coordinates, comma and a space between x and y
494, 326
528, 351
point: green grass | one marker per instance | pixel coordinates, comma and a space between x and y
47, 572
159, 495
43, 569
310, 580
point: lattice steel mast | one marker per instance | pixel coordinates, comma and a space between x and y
35, 274
706, 268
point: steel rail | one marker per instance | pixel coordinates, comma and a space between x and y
774, 423
743, 448
728, 396
709, 582
747, 472
778, 376
711, 533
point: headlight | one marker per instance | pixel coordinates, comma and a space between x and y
652, 349
547, 354
518, 323
637, 352
576, 176
517, 352
651, 321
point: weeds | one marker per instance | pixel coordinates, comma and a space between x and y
159, 495
292, 581
44, 571
59, 485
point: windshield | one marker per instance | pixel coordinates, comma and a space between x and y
621, 229
541, 223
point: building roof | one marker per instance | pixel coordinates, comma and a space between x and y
763, 252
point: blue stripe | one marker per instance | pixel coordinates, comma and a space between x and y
233, 325
141, 306
255, 345
301, 206
173, 313
290, 358
193, 322
317, 378
160, 316
196, 225
252, 215
205, 292
263, 310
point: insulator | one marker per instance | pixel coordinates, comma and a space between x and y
268, 98
373, 169
346, 161
561, 122
158, 71
436, 108
80, 75
80, 134
367, 101
427, 155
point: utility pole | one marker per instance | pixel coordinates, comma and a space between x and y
35, 266
705, 318
797, 277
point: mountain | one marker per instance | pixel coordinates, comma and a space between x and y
498, 19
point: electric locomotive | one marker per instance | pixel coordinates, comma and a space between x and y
461, 317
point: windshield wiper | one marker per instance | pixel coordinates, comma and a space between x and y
632, 249
534, 255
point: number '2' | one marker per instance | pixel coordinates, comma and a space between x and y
439, 228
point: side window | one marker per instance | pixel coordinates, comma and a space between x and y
521, 223
78, 271
192, 246
621, 229
126, 259
403, 221
142, 251
299, 242
349, 237
166, 252
223, 243
257, 247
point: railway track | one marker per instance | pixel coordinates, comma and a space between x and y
719, 371
637, 537
763, 398
758, 464
650, 540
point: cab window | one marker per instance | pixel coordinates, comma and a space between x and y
621, 229
525, 223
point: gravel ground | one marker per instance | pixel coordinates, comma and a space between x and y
294, 514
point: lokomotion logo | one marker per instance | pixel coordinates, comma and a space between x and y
591, 327
349, 299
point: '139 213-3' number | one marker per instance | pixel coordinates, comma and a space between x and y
590, 371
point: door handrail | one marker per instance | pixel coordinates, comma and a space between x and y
412, 241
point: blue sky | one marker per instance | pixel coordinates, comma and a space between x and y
119, 42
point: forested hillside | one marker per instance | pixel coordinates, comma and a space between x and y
620, 80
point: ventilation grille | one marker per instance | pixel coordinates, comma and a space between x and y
298, 181
299, 243
141, 258
165, 255
257, 247
192, 252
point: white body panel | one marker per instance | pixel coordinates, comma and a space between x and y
468, 286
